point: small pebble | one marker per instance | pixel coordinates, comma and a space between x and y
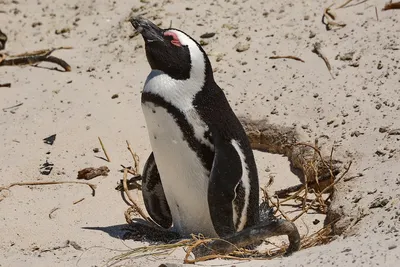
242, 47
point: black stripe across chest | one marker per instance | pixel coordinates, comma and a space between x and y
202, 150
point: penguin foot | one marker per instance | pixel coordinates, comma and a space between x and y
145, 232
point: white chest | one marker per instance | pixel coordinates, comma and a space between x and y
182, 173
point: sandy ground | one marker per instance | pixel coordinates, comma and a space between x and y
357, 109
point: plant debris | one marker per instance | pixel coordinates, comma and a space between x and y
289, 57
13, 107
90, 173
104, 150
329, 19
92, 186
35, 57
391, 5
317, 50
52, 211
318, 202
78, 201
134, 207
5, 85
31, 58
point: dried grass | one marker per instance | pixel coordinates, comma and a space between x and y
309, 198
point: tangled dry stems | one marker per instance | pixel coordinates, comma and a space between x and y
309, 198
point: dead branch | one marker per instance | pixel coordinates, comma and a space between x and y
390, 5
320, 155
92, 186
135, 159
133, 203
35, 57
323, 191
288, 57
77, 201
295, 195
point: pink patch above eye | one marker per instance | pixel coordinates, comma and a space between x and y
175, 39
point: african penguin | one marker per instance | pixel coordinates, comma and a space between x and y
201, 176
3, 40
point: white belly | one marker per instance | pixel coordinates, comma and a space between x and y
182, 173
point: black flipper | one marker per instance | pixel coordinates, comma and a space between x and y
225, 179
251, 236
153, 194
225, 176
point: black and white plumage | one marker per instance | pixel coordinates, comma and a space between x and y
201, 176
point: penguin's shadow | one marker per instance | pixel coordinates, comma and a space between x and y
116, 231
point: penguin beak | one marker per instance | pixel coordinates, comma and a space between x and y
149, 31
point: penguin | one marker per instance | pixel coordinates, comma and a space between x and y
3, 40
201, 177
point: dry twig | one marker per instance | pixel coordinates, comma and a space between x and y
276, 205
323, 236
323, 191
134, 208
51, 212
317, 50
92, 186
104, 150
36, 57
288, 57
135, 159
344, 4
77, 201
320, 237
133, 203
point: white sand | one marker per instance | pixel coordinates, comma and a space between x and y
105, 61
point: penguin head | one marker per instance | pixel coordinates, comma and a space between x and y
172, 51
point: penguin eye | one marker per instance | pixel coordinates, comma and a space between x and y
173, 37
